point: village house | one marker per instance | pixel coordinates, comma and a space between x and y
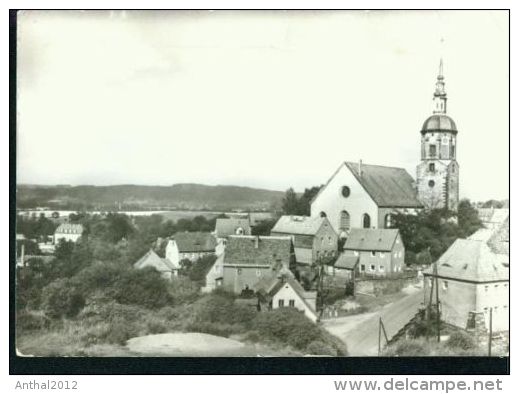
248, 258
377, 252
291, 294
164, 266
214, 277
231, 226
189, 246
360, 195
473, 279
68, 232
314, 238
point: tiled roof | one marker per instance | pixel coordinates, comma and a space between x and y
195, 242
499, 242
371, 239
229, 226
302, 225
153, 260
387, 186
472, 260
346, 261
268, 283
69, 228
258, 251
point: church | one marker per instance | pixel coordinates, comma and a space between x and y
360, 195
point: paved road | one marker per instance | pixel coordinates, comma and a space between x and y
360, 332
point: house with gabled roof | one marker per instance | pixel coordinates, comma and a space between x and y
473, 279
292, 295
68, 232
314, 238
377, 252
214, 277
189, 246
247, 259
163, 265
362, 195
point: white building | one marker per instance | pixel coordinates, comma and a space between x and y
291, 294
364, 196
164, 266
68, 232
473, 278
214, 277
189, 246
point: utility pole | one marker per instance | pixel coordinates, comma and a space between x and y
490, 334
379, 333
437, 302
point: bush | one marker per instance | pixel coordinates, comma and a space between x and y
288, 326
461, 340
321, 348
183, 290
62, 298
408, 348
143, 287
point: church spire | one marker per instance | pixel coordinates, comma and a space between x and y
440, 97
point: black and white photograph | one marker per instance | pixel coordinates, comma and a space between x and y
314, 184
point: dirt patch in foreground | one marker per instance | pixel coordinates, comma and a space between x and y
188, 344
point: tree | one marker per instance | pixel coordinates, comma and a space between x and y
306, 199
62, 299
290, 203
264, 227
144, 287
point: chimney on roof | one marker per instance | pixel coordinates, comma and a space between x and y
360, 167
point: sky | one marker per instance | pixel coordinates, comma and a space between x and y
269, 99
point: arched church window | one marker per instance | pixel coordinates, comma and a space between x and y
388, 221
432, 150
345, 191
431, 183
431, 167
322, 214
344, 223
366, 221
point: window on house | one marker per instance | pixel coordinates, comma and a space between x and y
366, 221
431, 167
292, 303
431, 183
373, 253
372, 267
322, 214
345, 191
486, 288
355, 253
362, 268
382, 255
432, 150
329, 240
239, 271
381, 268
388, 221
445, 285
281, 303
344, 221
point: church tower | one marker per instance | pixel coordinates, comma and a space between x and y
437, 175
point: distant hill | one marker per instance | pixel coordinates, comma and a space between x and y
136, 197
